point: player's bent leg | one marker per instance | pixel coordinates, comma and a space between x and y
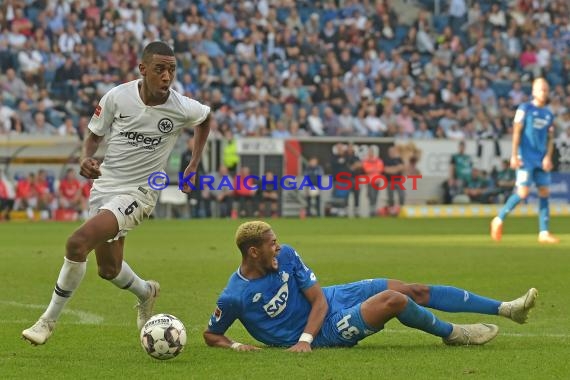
95, 231
544, 235
446, 298
522, 191
420, 293
100, 228
113, 268
518, 309
379, 309
109, 258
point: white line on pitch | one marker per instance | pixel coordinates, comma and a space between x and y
85, 318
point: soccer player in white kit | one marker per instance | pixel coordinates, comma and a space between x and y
142, 120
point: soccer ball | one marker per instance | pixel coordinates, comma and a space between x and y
163, 336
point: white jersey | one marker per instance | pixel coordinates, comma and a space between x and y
140, 138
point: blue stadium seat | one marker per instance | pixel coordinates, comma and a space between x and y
440, 22
557, 66
554, 79
282, 14
502, 88
387, 45
527, 88
401, 32
304, 13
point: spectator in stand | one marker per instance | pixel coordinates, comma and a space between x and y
394, 167
373, 167
69, 192
355, 168
46, 202
220, 197
268, 196
195, 197
314, 172
85, 192
245, 192
7, 197
476, 187
327, 53
26, 196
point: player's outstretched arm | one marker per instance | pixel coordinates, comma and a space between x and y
89, 165
319, 309
201, 133
219, 340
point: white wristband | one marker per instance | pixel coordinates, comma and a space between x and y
306, 337
236, 346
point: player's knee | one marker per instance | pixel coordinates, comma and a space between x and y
108, 272
77, 247
543, 192
394, 301
420, 293
522, 191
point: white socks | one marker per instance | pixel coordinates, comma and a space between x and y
69, 279
127, 279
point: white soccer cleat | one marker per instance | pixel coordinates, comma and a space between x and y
518, 309
545, 237
145, 308
470, 335
40, 332
496, 229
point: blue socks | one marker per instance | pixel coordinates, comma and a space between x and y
421, 318
455, 300
510, 204
543, 214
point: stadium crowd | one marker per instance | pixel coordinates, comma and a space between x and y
287, 68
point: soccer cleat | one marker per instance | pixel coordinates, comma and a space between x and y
469, 335
518, 309
496, 229
145, 308
546, 237
40, 332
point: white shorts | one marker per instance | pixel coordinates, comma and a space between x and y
129, 208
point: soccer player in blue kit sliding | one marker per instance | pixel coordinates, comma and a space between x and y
531, 156
280, 303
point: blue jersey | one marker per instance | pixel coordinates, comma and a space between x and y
275, 311
537, 123
273, 308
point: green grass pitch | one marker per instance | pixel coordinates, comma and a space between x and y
97, 336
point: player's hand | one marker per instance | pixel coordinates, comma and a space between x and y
300, 347
189, 170
90, 168
516, 162
547, 164
247, 347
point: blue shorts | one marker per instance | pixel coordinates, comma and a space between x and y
536, 175
344, 325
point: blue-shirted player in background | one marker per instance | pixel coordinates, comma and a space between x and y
278, 300
531, 156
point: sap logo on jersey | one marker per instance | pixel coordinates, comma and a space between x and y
278, 303
540, 123
136, 137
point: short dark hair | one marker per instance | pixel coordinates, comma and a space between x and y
156, 47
